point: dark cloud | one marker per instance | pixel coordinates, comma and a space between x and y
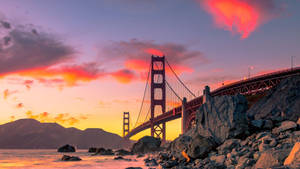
6, 40
28, 51
5, 24
34, 31
141, 50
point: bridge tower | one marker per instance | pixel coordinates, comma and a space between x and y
126, 123
158, 95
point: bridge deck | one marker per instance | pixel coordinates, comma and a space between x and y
261, 82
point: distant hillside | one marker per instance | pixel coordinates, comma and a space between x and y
30, 133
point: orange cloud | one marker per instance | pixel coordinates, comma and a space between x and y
124, 76
12, 118
7, 93
155, 52
60, 118
142, 67
28, 84
137, 65
20, 105
64, 75
241, 16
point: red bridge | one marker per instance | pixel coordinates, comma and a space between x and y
162, 91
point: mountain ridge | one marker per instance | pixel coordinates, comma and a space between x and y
32, 134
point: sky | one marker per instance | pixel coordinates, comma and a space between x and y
83, 63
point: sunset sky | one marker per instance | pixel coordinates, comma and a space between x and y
82, 63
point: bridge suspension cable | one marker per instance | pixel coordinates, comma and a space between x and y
180, 79
145, 90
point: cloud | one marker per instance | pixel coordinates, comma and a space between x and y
214, 81
29, 51
28, 84
12, 118
124, 75
67, 75
19, 105
5, 24
7, 93
134, 56
141, 50
62, 118
242, 16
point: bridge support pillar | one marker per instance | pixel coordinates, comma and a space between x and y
158, 95
183, 116
126, 123
206, 94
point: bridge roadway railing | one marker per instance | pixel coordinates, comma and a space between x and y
192, 105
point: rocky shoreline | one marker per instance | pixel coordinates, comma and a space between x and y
229, 134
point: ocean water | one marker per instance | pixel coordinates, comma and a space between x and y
50, 159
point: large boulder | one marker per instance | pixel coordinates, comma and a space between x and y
280, 103
66, 148
70, 158
272, 158
200, 146
293, 160
286, 125
223, 117
103, 151
195, 145
146, 144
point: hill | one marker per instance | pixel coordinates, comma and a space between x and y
32, 134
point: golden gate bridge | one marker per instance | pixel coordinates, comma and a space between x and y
167, 98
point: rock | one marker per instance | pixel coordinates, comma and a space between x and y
281, 102
296, 133
271, 158
268, 124
103, 151
140, 155
180, 143
169, 164
163, 156
118, 158
121, 158
150, 162
223, 117
266, 143
70, 158
66, 148
228, 145
294, 156
146, 144
122, 152
257, 123
286, 125
261, 135
92, 150
220, 159
244, 162
200, 146
256, 155
263, 147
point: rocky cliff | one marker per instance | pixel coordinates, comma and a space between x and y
229, 135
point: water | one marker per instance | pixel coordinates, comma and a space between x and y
50, 159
